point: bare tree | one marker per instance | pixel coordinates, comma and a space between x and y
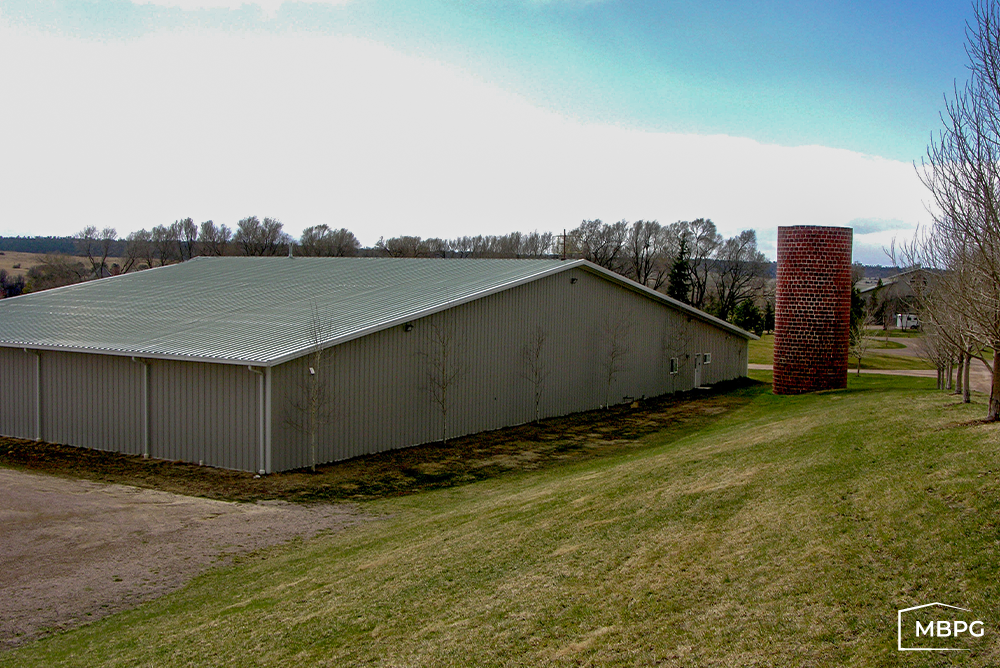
257, 237
536, 370
443, 368
535, 244
405, 246
186, 235
55, 271
164, 240
512, 245
462, 246
137, 248
861, 336
477, 246
674, 343
436, 247
649, 252
936, 347
139, 244
703, 240
600, 243
941, 297
214, 240
322, 241
96, 246
741, 271
962, 172
615, 336
315, 406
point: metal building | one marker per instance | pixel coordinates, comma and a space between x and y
215, 360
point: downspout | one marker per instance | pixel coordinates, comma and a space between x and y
261, 423
145, 406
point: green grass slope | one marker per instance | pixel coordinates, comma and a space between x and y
788, 532
762, 352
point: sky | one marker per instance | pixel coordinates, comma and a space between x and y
447, 118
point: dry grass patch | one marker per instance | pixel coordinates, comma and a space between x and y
19, 263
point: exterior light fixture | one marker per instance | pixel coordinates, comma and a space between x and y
408, 327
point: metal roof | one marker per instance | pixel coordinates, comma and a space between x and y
259, 311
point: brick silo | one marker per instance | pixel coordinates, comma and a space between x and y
812, 312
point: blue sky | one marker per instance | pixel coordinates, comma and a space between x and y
443, 118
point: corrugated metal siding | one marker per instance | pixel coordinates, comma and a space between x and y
92, 401
17, 393
198, 412
204, 412
380, 395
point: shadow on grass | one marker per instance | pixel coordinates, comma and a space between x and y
527, 447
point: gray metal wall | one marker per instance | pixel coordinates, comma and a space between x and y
17, 393
92, 401
380, 388
204, 412
197, 412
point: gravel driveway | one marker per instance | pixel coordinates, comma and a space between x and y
72, 551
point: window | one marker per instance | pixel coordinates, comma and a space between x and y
673, 365
708, 358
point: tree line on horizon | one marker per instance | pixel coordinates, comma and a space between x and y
687, 260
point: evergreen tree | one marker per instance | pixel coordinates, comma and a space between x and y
747, 316
679, 283
857, 315
768, 316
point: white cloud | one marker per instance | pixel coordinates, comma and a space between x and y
352, 133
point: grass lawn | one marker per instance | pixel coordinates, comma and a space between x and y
876, 360
785, 531
903, 334
885, 344
762, 352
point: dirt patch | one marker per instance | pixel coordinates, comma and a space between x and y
72, 551
459, 461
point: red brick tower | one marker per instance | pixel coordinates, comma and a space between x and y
812, 312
